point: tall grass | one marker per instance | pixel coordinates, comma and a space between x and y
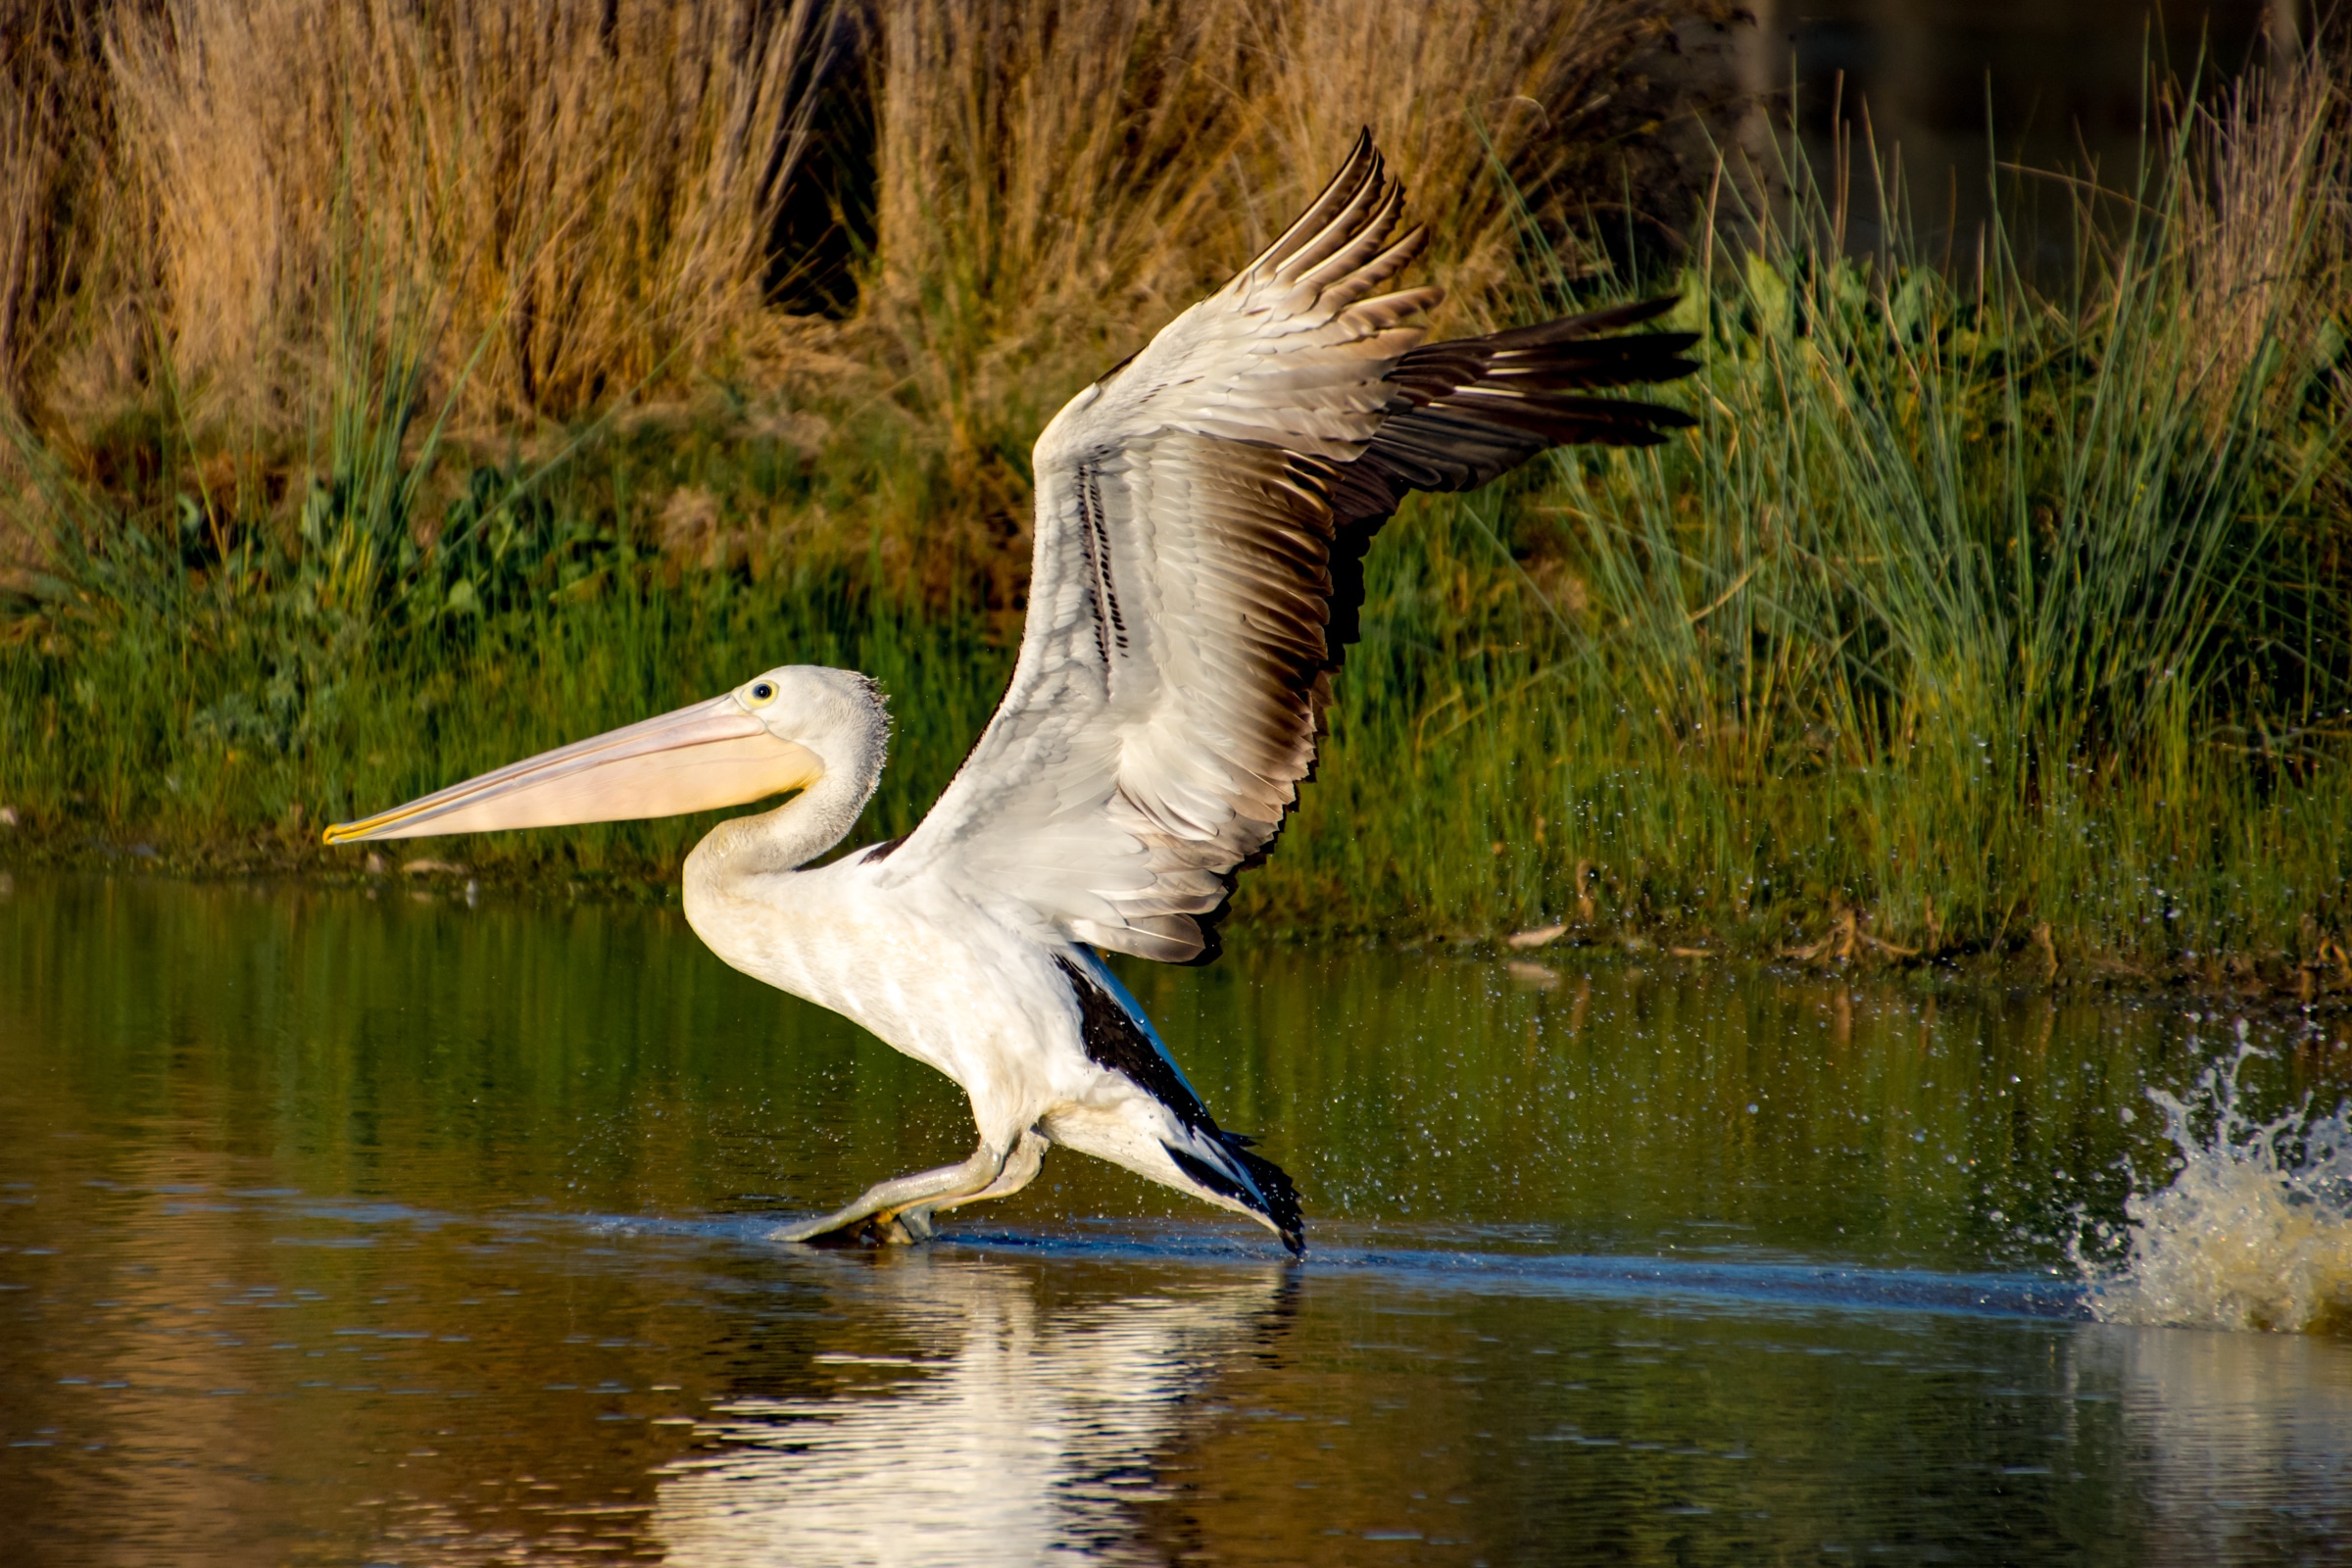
30, 156
592, 189
1977, 614
589, 203
1057, 176
1967, 613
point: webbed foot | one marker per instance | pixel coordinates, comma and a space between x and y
898, 1211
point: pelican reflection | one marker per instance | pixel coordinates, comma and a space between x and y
997, 1424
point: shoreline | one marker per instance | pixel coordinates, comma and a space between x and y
1830, 946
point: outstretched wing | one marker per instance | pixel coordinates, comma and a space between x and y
1199, 512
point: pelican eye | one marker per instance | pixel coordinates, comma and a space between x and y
763, 690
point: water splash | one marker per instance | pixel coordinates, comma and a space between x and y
2254, 1231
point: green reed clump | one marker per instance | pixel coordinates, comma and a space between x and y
1965, 611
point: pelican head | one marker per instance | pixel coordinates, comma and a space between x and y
784, 730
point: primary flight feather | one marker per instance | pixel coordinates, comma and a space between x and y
1202, 515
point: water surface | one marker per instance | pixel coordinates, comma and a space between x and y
341, 1229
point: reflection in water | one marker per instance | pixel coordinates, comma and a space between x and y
344, 1232
1007, 1429
2248, 1439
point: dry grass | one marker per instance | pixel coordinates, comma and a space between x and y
2268, 228
561, 204
1496, 113
587, 192
590, 193
232, 226
1048, 172
2266, 234
1059, 178
30, 155
36, 137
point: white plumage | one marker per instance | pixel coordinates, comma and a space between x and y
1201, 514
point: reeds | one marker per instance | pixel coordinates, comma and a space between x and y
1056, 177
32, 155
1978, 614
597, 191
1968, 610
587, 206
2265, 233
591, 190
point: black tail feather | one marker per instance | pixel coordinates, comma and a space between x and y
1275, 1196
1116, 1039
1282, 1194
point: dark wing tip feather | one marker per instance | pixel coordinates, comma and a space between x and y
1468, 411
1475, 407
1333, 218
1592, 324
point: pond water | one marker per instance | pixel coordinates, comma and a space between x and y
339, 1228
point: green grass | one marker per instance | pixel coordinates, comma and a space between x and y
1969, 619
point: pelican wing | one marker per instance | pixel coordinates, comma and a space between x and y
1202, 512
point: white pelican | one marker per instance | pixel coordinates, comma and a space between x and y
1202, 515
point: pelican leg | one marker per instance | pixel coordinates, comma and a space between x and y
1021, 1167
880, 1207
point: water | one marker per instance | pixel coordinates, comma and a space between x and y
338, 1228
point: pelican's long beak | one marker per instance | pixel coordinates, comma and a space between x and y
695, 759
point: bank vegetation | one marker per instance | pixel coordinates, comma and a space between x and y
391, 389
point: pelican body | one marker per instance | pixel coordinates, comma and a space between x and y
1202, 515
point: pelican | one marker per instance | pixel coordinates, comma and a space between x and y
1202, 512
